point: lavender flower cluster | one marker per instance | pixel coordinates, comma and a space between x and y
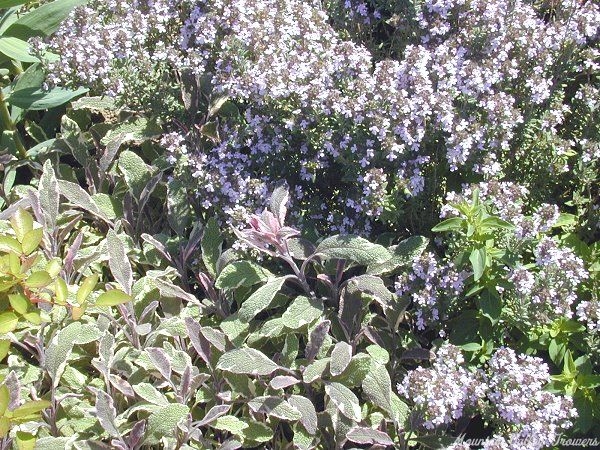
509, 392
332, 108
432, 286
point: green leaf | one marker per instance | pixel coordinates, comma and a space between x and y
49, 194
246, 361
353, 248
260, 299
44, 20
21, 222
364, 435
150, 394
403, 254
451, 224
231, 424
38, 279
345, 400
19, 302
4, 348
340, 358
25, 441
373, 286
86, 288
274, 407
258, 432
163, 422
113, 297
4, 399
307, 410
80, 198
135, 171
302, 311
493, 222
478, 261
379, 354
315, 370
61, 346
35, 99
16, 49
5, 4
32, 240
491, 305
241, 273
8, 244
357, 370
118, 262
377, 386
565, 220
211, 244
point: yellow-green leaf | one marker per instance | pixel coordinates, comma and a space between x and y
4, 426
38, 279
30, 408
19, 302
61, 290
53, 267
86, 288
4, 347
25, 441
8, 322
33, 317
4, 399
112, 298
9, 244
21, 223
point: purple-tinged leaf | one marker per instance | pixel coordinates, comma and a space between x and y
283, 381
364, 435
14, 390
122, 386
340, 358
274, 407
199, 342
105, 412
316, 339
161, 361
418, 354
212, 414
168, 289
136, 434
157, 245
307, 409
72, 252
215, 337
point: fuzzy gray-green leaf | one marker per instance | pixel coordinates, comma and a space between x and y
246, 361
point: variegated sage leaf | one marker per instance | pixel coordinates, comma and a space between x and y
247, 361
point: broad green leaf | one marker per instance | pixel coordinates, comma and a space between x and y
258, 432
5, 4
21, 222
307, 410
16, 49
25, 441
118, 262
211, 244
357, 370
4, 399
340, 358
135, 171
364, 435
49, 194
274, 407
35, 99
564, 220
373, 286
234, 329
478, 262
150, 394
246, 361
315, 370
403, 254
19, 302
241, 273
163, 422
379, 354
80, 198
113, 297
353, 248
400, 410
32, 407
4, 348
86, 288
38, 279
377, 386
491, 305
302, 311
9, 244
231, 424
493, 222
451, 224
32, 240
61, 346
43, 20
260, 299
345, 400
